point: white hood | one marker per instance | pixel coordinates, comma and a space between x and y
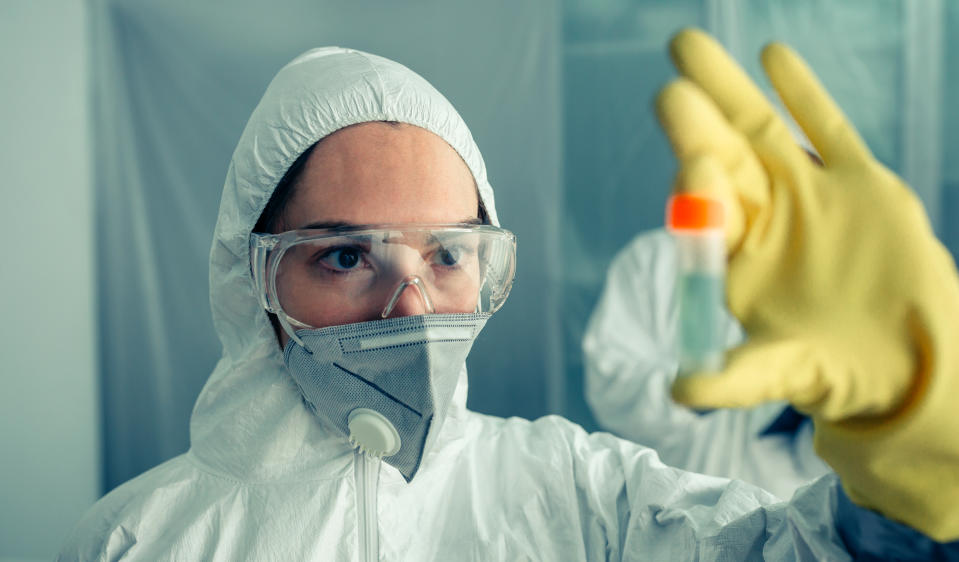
249, 420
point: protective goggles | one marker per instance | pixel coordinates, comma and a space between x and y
303, 275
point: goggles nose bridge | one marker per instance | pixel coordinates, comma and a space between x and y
409, 280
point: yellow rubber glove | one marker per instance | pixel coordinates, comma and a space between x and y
850, 302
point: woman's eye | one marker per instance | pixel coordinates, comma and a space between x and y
449, 257
342, 259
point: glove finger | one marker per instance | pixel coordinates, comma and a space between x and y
703, 174
695, 126
812, 107
701, 59
756, 372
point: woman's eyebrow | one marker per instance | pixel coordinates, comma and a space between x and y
342, 224
327, 224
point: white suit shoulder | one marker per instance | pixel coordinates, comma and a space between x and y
122, 518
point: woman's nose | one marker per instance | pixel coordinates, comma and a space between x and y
408, 299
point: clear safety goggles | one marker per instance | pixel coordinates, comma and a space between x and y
302, 275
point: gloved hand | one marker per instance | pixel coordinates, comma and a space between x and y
850, 303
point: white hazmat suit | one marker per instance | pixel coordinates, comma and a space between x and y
631, 359
264, 479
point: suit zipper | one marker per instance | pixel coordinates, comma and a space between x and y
367, 475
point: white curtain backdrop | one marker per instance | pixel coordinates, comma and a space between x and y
558, 96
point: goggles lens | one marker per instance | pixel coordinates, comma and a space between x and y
460, 269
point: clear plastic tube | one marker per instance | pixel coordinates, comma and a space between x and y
696, 224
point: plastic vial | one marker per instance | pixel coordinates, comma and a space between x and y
697, 225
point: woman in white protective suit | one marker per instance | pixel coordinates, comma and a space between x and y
338, 430
631, 358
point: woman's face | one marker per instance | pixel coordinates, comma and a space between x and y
380, 173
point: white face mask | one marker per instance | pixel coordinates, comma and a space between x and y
404, 369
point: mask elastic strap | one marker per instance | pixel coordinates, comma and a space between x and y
406, 282
291, 332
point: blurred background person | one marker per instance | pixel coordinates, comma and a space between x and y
631, 359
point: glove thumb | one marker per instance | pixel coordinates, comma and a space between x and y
792, 370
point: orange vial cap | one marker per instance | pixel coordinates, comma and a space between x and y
692, 212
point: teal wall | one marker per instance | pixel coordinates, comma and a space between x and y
49, 425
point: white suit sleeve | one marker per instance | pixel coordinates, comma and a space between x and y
630, 357
633, 507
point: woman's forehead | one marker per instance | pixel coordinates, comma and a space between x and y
376, 173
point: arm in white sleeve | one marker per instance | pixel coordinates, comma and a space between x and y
649, 511
636, 508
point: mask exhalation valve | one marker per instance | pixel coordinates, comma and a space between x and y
372, 433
